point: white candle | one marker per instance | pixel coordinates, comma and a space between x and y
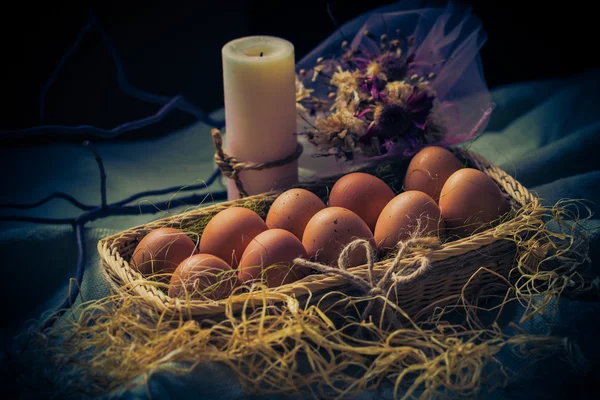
260, 110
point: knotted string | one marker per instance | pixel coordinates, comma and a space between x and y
393, 275
231, 167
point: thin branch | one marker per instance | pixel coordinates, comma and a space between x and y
60, 66
338, 28
79, 270
102, 172
37, 220
141, 94
92, 130
56, 195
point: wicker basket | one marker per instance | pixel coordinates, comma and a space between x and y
453, 265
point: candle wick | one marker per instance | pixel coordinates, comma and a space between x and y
261, 53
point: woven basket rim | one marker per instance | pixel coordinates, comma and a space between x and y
119, 274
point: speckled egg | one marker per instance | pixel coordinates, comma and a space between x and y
429, 169
410, 213
470, 200
270, 257
203, 276
229, 232
330, 230
292, 210
161, 251
363, 194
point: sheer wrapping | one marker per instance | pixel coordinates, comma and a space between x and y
435, 41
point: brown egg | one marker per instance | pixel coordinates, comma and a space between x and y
404, 215
292, 210
429, 169
470, 199
363, 194
228, 233
202, 276
161, 251
275, 250
330, 230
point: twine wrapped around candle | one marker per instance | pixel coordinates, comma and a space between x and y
231, 166
391, 277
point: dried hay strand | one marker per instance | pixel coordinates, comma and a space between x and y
328, 347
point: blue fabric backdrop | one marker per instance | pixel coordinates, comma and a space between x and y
545, 133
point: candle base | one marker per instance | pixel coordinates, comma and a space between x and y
256, 182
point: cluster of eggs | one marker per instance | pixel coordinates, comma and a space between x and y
239, 247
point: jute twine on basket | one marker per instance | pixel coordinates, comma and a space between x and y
378, 290
231, 167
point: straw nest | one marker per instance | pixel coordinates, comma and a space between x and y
429, 332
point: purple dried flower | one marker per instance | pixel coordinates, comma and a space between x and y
373, 85
394, 121
419, 105
387, 112
395, 66
364, 112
